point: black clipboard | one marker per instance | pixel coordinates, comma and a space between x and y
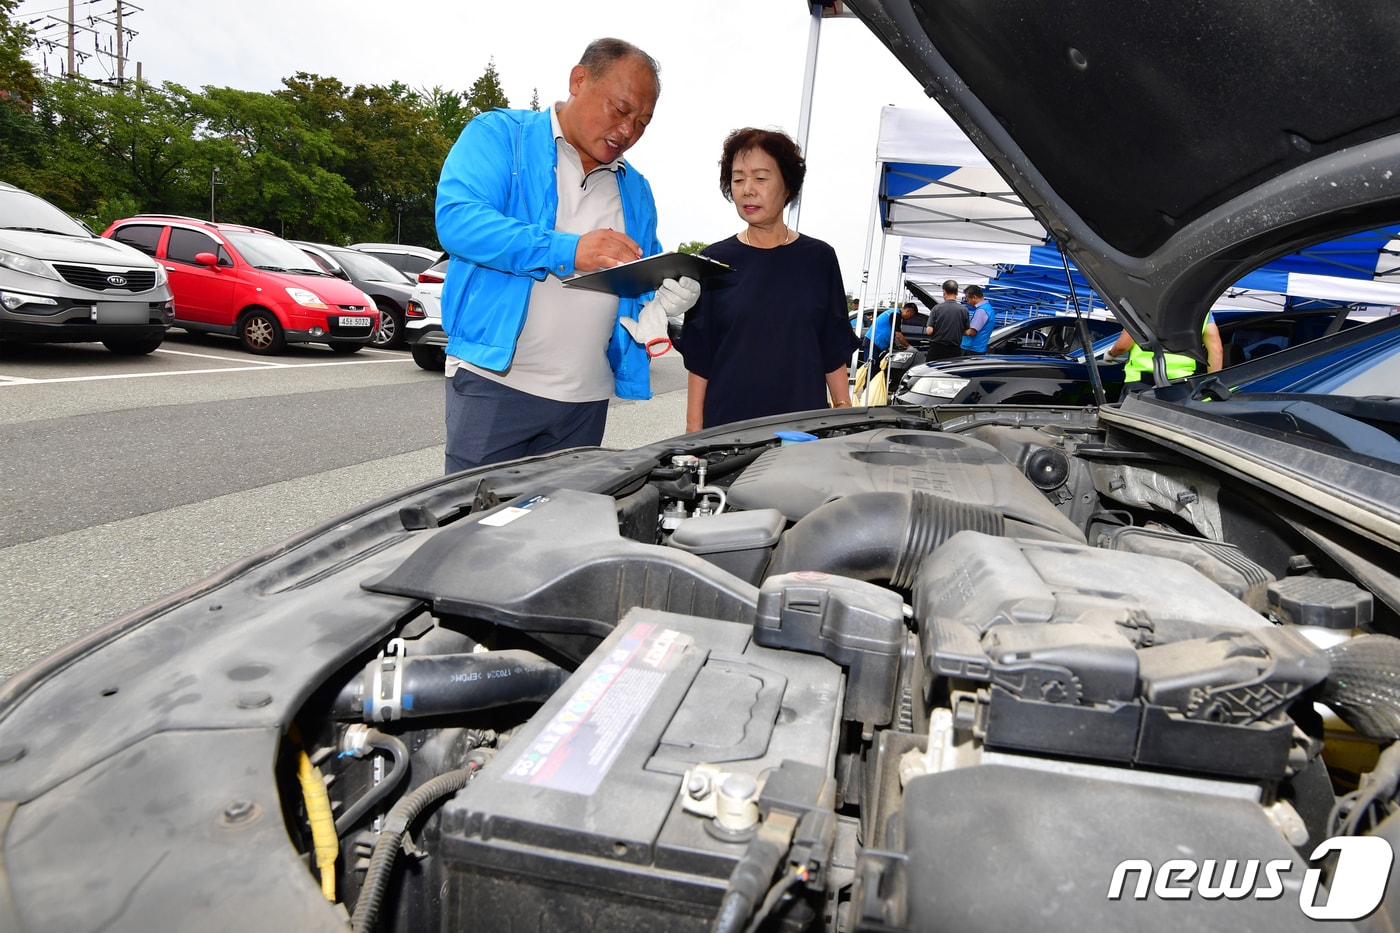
640, 276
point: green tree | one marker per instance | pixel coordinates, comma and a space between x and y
21, 137
316, 159
18, 82
694, 247
535, 99
486, 93
388, 146
447, 109
106, 149
278, 172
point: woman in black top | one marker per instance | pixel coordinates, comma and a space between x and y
771, 336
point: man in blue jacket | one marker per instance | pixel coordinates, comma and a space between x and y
525, 200
980, 322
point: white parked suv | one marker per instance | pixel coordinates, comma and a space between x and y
423, 319
409, 260
62, 283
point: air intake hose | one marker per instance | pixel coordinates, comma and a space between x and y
431, 685
1363, 688
878, 535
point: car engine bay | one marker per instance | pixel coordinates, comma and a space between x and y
840, 684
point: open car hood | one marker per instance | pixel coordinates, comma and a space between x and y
1169, 149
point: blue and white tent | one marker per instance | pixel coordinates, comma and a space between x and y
956, 218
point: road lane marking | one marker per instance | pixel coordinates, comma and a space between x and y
211, 356
19, 380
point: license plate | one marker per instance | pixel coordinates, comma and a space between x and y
121, 312
354, 322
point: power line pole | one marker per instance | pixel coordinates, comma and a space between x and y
113, 46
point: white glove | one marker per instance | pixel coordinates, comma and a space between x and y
673, 299
677, 297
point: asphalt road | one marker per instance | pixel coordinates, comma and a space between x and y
124, 479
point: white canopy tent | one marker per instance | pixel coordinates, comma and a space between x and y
934, 186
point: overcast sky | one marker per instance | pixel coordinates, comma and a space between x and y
724, 64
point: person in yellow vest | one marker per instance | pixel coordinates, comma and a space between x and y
1178, 364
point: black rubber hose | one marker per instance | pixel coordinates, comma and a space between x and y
1364, 686
399, 752
878, 535
453, 683
386, 848
748, 883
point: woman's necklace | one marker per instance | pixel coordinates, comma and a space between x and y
746, 237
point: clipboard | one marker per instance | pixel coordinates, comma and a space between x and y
640, 276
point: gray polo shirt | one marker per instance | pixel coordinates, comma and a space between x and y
562, 351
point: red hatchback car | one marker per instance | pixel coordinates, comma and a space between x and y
250, 283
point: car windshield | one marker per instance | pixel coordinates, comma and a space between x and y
364, 266
1344, 393
272, 253
1367, 369
1100, 348
20, 210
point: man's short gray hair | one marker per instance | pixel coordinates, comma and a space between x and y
602, 54
950, 287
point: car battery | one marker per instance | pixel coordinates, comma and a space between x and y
579, 819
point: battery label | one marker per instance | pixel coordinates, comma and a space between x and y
507, 515
580, 742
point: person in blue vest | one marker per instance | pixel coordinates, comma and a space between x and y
981, 321
525, 200
1178, 365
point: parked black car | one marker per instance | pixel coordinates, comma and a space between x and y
966, 668
1023, 377
1055, 337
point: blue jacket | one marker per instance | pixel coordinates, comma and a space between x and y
883, 331
496, 204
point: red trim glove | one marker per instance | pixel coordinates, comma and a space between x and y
673, 299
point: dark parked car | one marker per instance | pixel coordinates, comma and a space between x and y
62, 283
973, 668
1047, 379
386, 286
1057, 334
1054, 337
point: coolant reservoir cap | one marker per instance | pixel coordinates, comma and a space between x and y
1320, 601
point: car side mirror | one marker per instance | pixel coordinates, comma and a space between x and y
207, 259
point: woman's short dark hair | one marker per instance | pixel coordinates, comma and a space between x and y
780, 146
